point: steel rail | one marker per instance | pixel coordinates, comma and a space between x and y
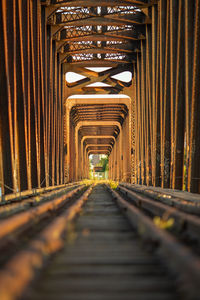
17, 206
25, 219
178, 257
14, 197
182, 203
21, 269
182, 221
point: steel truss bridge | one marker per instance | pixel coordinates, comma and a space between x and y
153, 138
64, 95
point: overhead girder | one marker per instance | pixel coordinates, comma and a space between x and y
98, 63
71, 102
98, 50
100, 129
100, 24
98, 35
93, 76
107, 79
102, 118
95, 3
89, 124
98, 145
96, 132
103, 147
111, 31
98, 138
96, 110
98, 152
97, 123
97, 90
116, 86
98, 114
100, 108
87, 58
84, 47
104, 21
109, 36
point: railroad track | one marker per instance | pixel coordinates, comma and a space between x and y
124, 245
23, 218
185, 226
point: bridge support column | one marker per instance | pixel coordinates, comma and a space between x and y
126, 152
194, 142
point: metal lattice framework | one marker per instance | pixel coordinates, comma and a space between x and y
42, 40
103, 29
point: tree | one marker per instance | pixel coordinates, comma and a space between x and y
103, 163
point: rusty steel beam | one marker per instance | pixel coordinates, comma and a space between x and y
179, 121
118, 37
102, 21
30, 89
189, 57
97, 145
164, 96
98, 152
194, 157
90, 3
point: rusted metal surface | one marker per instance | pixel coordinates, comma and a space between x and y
184, 201
24, 219
179, 257
20, 270
165, 211
25, 200
91, 111
32, 109
167, 93
40, 41
15, 197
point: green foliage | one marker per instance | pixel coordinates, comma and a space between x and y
103, 163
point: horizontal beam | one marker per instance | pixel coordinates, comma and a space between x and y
89, 73
117, 46
107, 102
98, 63
89, 137
93, 3
102, 37
97, 90
98, 145
98, 152
97, 51
102, 21
104, 76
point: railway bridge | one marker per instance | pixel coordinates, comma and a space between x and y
87, 77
